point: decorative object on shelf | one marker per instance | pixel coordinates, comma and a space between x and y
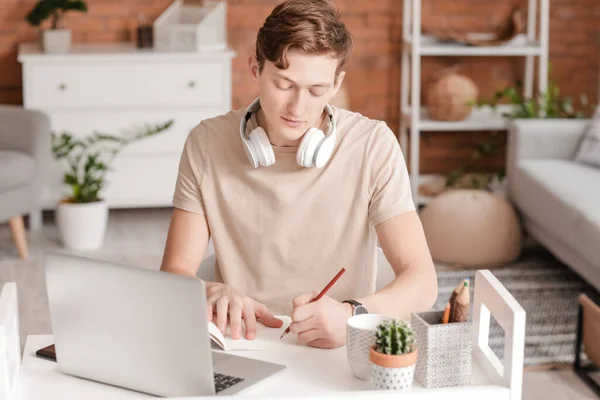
471, 228
433, 186
144, 33
445, 358
494, 182
450, 96
187, 26
394, 356
547, 104
504, 34
82, 215
470, 175
55, 39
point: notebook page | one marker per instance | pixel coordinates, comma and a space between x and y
265, 337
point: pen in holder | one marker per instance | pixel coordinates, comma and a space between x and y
444, 338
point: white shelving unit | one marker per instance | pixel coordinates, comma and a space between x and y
531, 44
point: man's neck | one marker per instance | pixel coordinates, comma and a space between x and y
274, 138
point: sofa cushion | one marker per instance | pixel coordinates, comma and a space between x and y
589, 147
16, 169
563, 197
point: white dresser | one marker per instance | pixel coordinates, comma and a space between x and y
112, 88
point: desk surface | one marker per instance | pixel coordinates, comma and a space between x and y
310, 373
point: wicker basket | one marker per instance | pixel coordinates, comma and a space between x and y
449, 95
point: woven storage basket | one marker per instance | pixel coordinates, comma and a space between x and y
448, 96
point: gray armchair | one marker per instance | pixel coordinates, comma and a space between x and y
25, 158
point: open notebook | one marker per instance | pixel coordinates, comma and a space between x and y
264, 336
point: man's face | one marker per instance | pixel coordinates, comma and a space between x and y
293, 100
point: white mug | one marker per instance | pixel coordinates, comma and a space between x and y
361, 332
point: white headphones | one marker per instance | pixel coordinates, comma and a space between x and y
314, 150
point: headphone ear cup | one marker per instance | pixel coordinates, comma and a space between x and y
250, 153
261, 147
306, 150
324, 152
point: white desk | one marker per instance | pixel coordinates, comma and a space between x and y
313, 373
310, 373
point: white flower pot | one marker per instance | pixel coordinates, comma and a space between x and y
386, 378
393, 372
56, 40
82, 226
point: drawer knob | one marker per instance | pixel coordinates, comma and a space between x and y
62, 86
192, 84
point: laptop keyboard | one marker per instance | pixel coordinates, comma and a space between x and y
222, 382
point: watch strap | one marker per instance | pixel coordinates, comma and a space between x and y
353, 302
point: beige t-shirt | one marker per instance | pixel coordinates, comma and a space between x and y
284, 230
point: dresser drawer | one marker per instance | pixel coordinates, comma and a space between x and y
128, 84
126, 122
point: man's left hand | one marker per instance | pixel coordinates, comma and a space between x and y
322, 323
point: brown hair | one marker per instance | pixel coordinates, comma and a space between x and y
310, 26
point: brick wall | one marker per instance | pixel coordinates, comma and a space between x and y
374, 71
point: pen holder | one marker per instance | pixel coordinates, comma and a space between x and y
444, 351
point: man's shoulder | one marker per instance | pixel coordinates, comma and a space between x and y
224, 125
355, 125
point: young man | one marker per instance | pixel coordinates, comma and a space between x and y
287, 206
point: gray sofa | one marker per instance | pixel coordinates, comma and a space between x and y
557, 197
25, 159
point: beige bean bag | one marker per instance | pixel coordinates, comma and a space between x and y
471, 228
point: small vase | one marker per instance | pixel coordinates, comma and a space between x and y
56, 41
393, 372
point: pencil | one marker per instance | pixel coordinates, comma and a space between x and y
446, 316
323, 292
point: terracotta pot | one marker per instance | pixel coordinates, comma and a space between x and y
393, 372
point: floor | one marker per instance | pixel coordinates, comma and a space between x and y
137, 237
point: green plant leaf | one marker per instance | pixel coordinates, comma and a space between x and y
548, 104
89, 159
54, 9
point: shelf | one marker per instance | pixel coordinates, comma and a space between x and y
519, 46
481, 119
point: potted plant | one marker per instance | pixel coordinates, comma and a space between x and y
547, 105
394, 356
82, 215
57, 39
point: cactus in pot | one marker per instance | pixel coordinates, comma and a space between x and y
394, 356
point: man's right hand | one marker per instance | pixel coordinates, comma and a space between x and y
223, 301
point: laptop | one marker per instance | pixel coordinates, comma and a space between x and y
139, 329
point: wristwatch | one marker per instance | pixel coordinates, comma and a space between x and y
357, 308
